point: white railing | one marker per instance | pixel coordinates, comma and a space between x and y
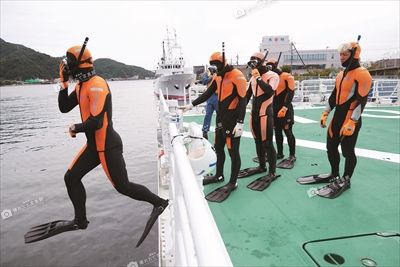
196, 240
385, 91
314, 90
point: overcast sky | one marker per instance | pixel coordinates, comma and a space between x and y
132, 31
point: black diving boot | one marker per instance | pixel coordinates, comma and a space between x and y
213, 179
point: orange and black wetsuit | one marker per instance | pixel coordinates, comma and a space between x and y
349, 98
261, 117
230, 86
103, 146
283, 98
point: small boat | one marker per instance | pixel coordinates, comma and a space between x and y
172, 77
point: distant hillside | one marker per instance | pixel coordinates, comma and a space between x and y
20, 63
108, 68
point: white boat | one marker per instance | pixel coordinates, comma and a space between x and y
172, 77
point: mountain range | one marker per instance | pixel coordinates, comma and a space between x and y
19, 63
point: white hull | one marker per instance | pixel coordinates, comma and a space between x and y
173, 85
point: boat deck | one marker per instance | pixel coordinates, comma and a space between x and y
286, 226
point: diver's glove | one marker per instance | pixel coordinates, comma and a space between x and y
323, 119
238, 130
255, 73
72, 130
64, 76
186, 107
282, 112
348, 128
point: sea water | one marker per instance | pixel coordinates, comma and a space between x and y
35, 152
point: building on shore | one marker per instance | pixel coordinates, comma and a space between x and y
386, 68
313, 59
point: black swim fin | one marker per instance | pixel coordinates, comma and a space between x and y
250, 171
287, 163
221, 193
315, 178
260, 184
50, 229
335, 188
153, 218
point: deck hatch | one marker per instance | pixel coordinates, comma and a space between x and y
369, 250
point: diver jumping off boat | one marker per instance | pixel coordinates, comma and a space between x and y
349, 98
284, 115
104, 145
262, 86
230, 86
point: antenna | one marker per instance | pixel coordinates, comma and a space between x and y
163, 50
265, 56
279, 57
301, 59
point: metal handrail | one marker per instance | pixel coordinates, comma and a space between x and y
319, 90
197, 241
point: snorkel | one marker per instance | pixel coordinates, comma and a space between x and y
82, 50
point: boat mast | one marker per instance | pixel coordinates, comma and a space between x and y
163, 53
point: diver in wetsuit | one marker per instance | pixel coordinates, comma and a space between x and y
230, 85
348, 98
262, 88
104, 146
284, 115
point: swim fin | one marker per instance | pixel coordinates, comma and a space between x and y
50, 229
287, 163
315, 178
334, 189
153, 218
263, 182
250, 171
221, 193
